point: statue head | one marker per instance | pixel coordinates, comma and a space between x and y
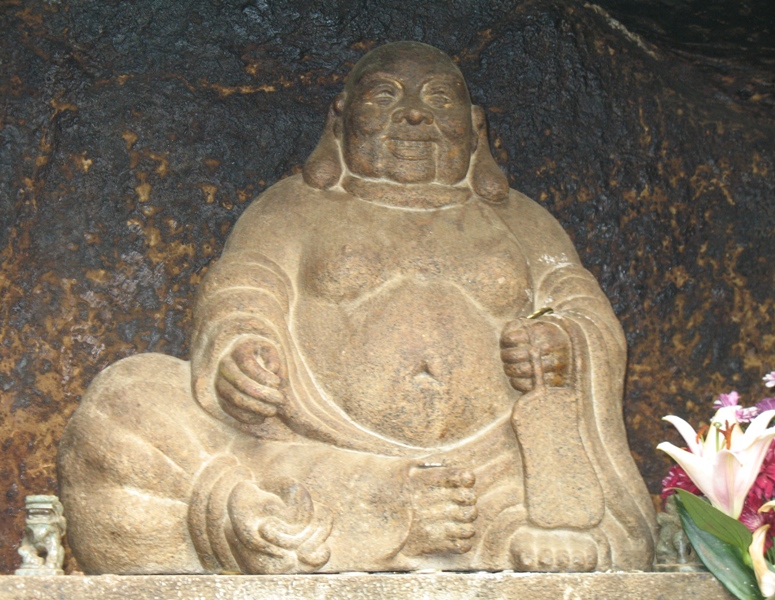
45, 510
405, 116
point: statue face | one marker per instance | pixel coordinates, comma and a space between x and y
406, 117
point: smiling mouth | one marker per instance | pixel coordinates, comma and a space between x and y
411, 149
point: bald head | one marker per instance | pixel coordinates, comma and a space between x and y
410, 57
406, 116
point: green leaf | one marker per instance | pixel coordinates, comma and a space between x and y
722, 559
770, 555
712, 520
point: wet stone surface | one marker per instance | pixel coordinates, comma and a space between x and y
134, 135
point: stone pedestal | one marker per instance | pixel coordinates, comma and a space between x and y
362, 586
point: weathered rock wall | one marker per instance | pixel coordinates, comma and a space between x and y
133, 134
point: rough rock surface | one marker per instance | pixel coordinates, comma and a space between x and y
134, 134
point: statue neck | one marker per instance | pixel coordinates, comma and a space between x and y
425, 196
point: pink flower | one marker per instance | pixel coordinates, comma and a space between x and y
743, 415
753, 517
723, 400
764, 486
677, 479
769, 379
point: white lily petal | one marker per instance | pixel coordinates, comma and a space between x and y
764, 576
751, 459
725, 414
758, 426
729, 476
686, 431
701, 471
737, 436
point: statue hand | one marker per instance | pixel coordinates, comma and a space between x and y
444, 509
248, 381
524, 343
278, 531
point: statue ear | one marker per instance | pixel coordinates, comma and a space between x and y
487, 179
323, 168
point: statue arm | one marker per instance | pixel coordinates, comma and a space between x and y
241, 344
240, 338
597, 364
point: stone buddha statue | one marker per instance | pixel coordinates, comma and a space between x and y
398, 363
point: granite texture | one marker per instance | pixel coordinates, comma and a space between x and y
134, 135
441, 586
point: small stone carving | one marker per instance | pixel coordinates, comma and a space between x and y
376, 381
673, 551
41, 549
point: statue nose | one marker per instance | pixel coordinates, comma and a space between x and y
413, 116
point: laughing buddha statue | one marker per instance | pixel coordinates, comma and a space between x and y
398, 363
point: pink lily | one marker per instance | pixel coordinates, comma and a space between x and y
725, 464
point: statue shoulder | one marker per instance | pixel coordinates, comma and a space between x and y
283, 211
538, 231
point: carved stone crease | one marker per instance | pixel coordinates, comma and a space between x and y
365, 392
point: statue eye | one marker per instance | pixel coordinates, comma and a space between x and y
438, 97
384, 94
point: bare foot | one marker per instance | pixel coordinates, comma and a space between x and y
553, 550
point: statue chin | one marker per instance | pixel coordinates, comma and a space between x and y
377, 382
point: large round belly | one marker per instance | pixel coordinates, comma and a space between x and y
417, 362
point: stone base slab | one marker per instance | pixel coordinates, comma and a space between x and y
363, 586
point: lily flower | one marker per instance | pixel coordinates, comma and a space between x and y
725, 464
769, 379
765, 576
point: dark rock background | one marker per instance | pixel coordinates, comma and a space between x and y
133, 134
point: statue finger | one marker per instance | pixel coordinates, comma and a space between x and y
246, 406
514, 333
516, 354
461, 546
254, 541
522, 370
316, 558
460, 531
256, 372
248, 386
281, 533
259, 556
450, 478
463, 496
240, 415
461, 514
522, 384
313, 551
252, 350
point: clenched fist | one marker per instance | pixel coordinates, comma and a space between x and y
249, 381
277, 530
444, 505
536, 353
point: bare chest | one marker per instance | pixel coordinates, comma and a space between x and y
365, 254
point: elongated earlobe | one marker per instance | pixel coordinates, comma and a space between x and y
487, 180
323, 168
